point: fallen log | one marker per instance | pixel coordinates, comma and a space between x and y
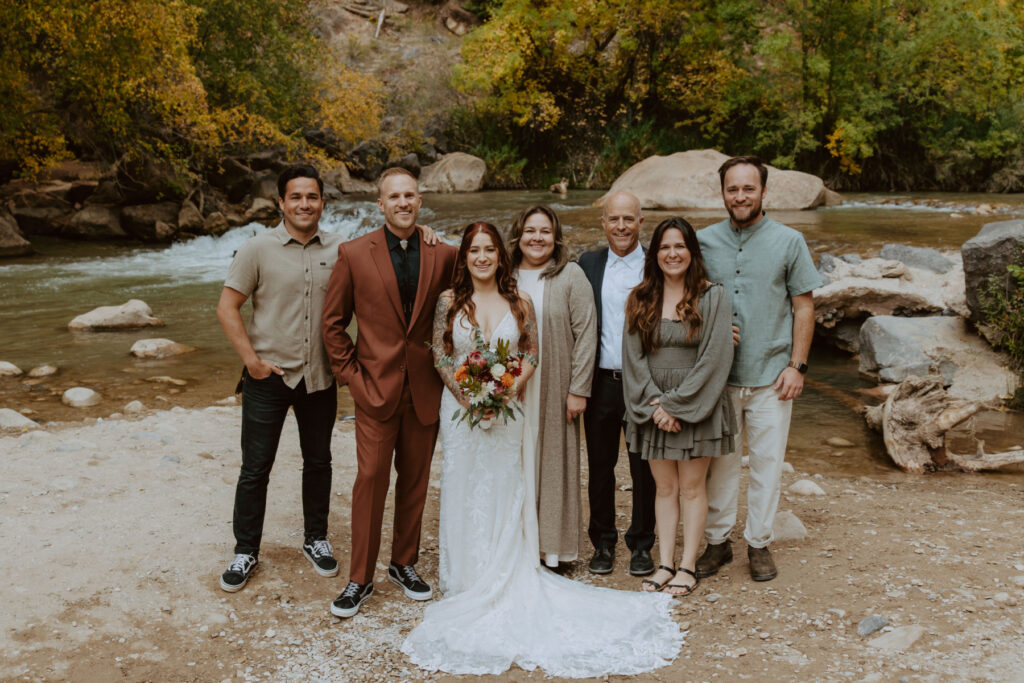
914, 421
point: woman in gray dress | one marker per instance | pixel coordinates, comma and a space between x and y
676, 354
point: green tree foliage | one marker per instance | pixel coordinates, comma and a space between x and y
178, 80
1002, 301
870, 93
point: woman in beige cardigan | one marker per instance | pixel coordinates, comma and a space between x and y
567, 325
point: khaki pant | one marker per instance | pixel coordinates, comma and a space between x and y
763, 422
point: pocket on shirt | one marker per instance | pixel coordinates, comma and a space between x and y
323, 276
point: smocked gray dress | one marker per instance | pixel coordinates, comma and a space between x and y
689, 380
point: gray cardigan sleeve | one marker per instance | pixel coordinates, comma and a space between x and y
695, 399
638, 387
583, 321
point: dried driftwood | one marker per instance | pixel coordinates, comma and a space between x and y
914, 420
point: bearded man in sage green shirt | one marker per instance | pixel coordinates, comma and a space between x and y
769, 275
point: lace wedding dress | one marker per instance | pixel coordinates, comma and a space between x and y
500, 607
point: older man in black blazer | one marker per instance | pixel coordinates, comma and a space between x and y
613, 272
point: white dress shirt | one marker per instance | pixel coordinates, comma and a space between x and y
621, 275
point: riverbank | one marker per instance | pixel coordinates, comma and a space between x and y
116, 531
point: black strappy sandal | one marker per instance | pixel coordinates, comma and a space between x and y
658, 586
686, 589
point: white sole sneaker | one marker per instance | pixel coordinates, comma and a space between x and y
352, 611
234, 589
317, 569
411, 594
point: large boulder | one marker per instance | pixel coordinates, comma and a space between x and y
893, 349
133, 313
689, 180
857, 289
95, 221
988, 253
455, 172
159, 348
12, 242
43, 209
190, 220
262, 210
143, 221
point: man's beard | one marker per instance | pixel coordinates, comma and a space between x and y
752, 216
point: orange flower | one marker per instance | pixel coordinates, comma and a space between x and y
507, 379
461, 373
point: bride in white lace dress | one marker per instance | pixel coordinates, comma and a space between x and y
500, 607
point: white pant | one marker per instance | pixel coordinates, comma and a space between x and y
763, 422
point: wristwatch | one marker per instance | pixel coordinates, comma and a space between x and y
799, 367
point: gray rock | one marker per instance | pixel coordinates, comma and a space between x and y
851, 258
12, 419
141, 220
898, 639
132, 313
171, 458
826, 263
788, 527
806, 487
787, 468
12, 242
134, 407
895, 348
871, 624
713, 597
159, 348
9, 369
917, 257
95, 221
80, 397
988, 253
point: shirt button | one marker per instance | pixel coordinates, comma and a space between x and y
737, 272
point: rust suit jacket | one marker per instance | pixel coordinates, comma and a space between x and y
386, 349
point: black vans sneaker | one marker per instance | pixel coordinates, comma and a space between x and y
347, 604
320, 553
238, 573
405, 576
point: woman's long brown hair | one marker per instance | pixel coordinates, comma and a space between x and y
462, 286
643, 307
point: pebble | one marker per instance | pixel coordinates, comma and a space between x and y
43, 371
80, 397
787, 468
898, 639
171, 458
713, 597
806, 487
788, 527
869, 625
738, 652
134, 407
9, 369
839, 442
1018, 581
841, 613
1005, 600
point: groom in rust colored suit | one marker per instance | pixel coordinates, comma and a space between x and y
389, 280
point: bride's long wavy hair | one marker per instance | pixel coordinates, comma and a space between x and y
643, 307
462, 285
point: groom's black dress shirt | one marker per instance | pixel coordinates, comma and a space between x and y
407, 268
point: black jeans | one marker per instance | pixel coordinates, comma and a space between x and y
265, 404
603, 424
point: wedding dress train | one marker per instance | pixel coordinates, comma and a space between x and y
500, 607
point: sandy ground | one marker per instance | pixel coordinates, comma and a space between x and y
114, 534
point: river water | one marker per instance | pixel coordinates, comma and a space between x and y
181, 283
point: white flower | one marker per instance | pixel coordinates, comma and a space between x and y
497, 370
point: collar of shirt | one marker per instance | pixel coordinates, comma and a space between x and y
284, 237
395, 242
750, 229
632, 260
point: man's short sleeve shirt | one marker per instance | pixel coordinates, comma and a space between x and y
762, 267
287, 283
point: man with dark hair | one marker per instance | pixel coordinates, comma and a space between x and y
285, 272
769, 275
389, 280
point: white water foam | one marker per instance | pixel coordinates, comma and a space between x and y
203, 259
925, 205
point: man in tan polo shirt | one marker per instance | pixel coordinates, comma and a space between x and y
285, 272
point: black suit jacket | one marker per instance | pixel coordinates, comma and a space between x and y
593, 264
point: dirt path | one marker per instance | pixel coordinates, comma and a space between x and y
114, 534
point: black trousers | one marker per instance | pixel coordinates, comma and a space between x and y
265, 404
603, 425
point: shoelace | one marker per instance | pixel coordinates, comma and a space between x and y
410, 573
241, 563
322, 548
351, 590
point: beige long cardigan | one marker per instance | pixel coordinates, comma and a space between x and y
567, 353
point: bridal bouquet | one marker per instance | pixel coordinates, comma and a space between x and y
487, 378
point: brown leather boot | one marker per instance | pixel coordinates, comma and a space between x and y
762, 566
714, 558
